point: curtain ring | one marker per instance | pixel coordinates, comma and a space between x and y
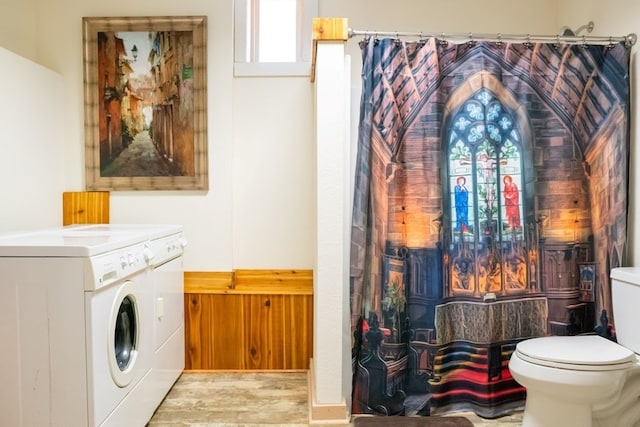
443, 42
611, 44
471, 41
584, 42
557, 44
499, 43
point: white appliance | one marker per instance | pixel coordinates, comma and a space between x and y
77, 315
166, 246
586, 380
167, 276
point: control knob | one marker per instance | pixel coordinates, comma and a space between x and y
148, 254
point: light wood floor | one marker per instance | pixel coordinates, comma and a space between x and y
269, 399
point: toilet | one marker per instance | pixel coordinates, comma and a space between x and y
586, 380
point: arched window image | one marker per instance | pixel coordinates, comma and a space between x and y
487, 246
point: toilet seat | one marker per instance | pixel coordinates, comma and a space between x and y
576, 353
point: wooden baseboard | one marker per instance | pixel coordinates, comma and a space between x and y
321, 413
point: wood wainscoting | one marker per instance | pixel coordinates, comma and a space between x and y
248, 319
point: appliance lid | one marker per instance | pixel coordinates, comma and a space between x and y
583, 352
67, 242
153, 231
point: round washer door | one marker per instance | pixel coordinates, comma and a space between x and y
124, 335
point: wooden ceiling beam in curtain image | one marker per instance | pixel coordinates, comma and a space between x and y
490, 206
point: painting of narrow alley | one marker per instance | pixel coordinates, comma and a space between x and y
147, 95
146, 83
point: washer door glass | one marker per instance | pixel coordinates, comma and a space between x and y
126, 333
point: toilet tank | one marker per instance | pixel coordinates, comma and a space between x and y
625, 297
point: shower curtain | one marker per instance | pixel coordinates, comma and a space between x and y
490, 206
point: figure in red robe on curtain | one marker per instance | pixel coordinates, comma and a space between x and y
511, 202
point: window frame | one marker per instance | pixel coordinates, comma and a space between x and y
245, 40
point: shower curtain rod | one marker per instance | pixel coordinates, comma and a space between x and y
629, 40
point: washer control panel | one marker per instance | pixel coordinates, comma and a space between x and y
110, 267
166, 248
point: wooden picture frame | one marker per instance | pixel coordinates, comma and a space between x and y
145, 103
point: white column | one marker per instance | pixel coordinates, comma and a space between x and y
331, 367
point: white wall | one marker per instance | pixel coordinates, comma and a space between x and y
274, 173
31, 144
18, 30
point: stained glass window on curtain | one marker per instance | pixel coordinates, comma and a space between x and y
485, 186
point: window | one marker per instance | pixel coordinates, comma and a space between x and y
485, 156
485, 164
273, 37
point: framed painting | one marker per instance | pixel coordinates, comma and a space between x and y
145, 103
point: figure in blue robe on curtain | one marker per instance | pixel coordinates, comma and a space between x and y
461, 198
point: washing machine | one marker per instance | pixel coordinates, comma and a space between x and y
165, 249
76, 325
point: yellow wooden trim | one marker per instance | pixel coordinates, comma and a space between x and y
207, 282
327, 29
330, 29
254, 282
85, 207
244, 371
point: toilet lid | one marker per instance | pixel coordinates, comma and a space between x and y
582, 353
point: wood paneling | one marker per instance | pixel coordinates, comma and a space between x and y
85, 207
248, 319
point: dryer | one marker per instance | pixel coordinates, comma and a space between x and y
76, 325
167, 278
